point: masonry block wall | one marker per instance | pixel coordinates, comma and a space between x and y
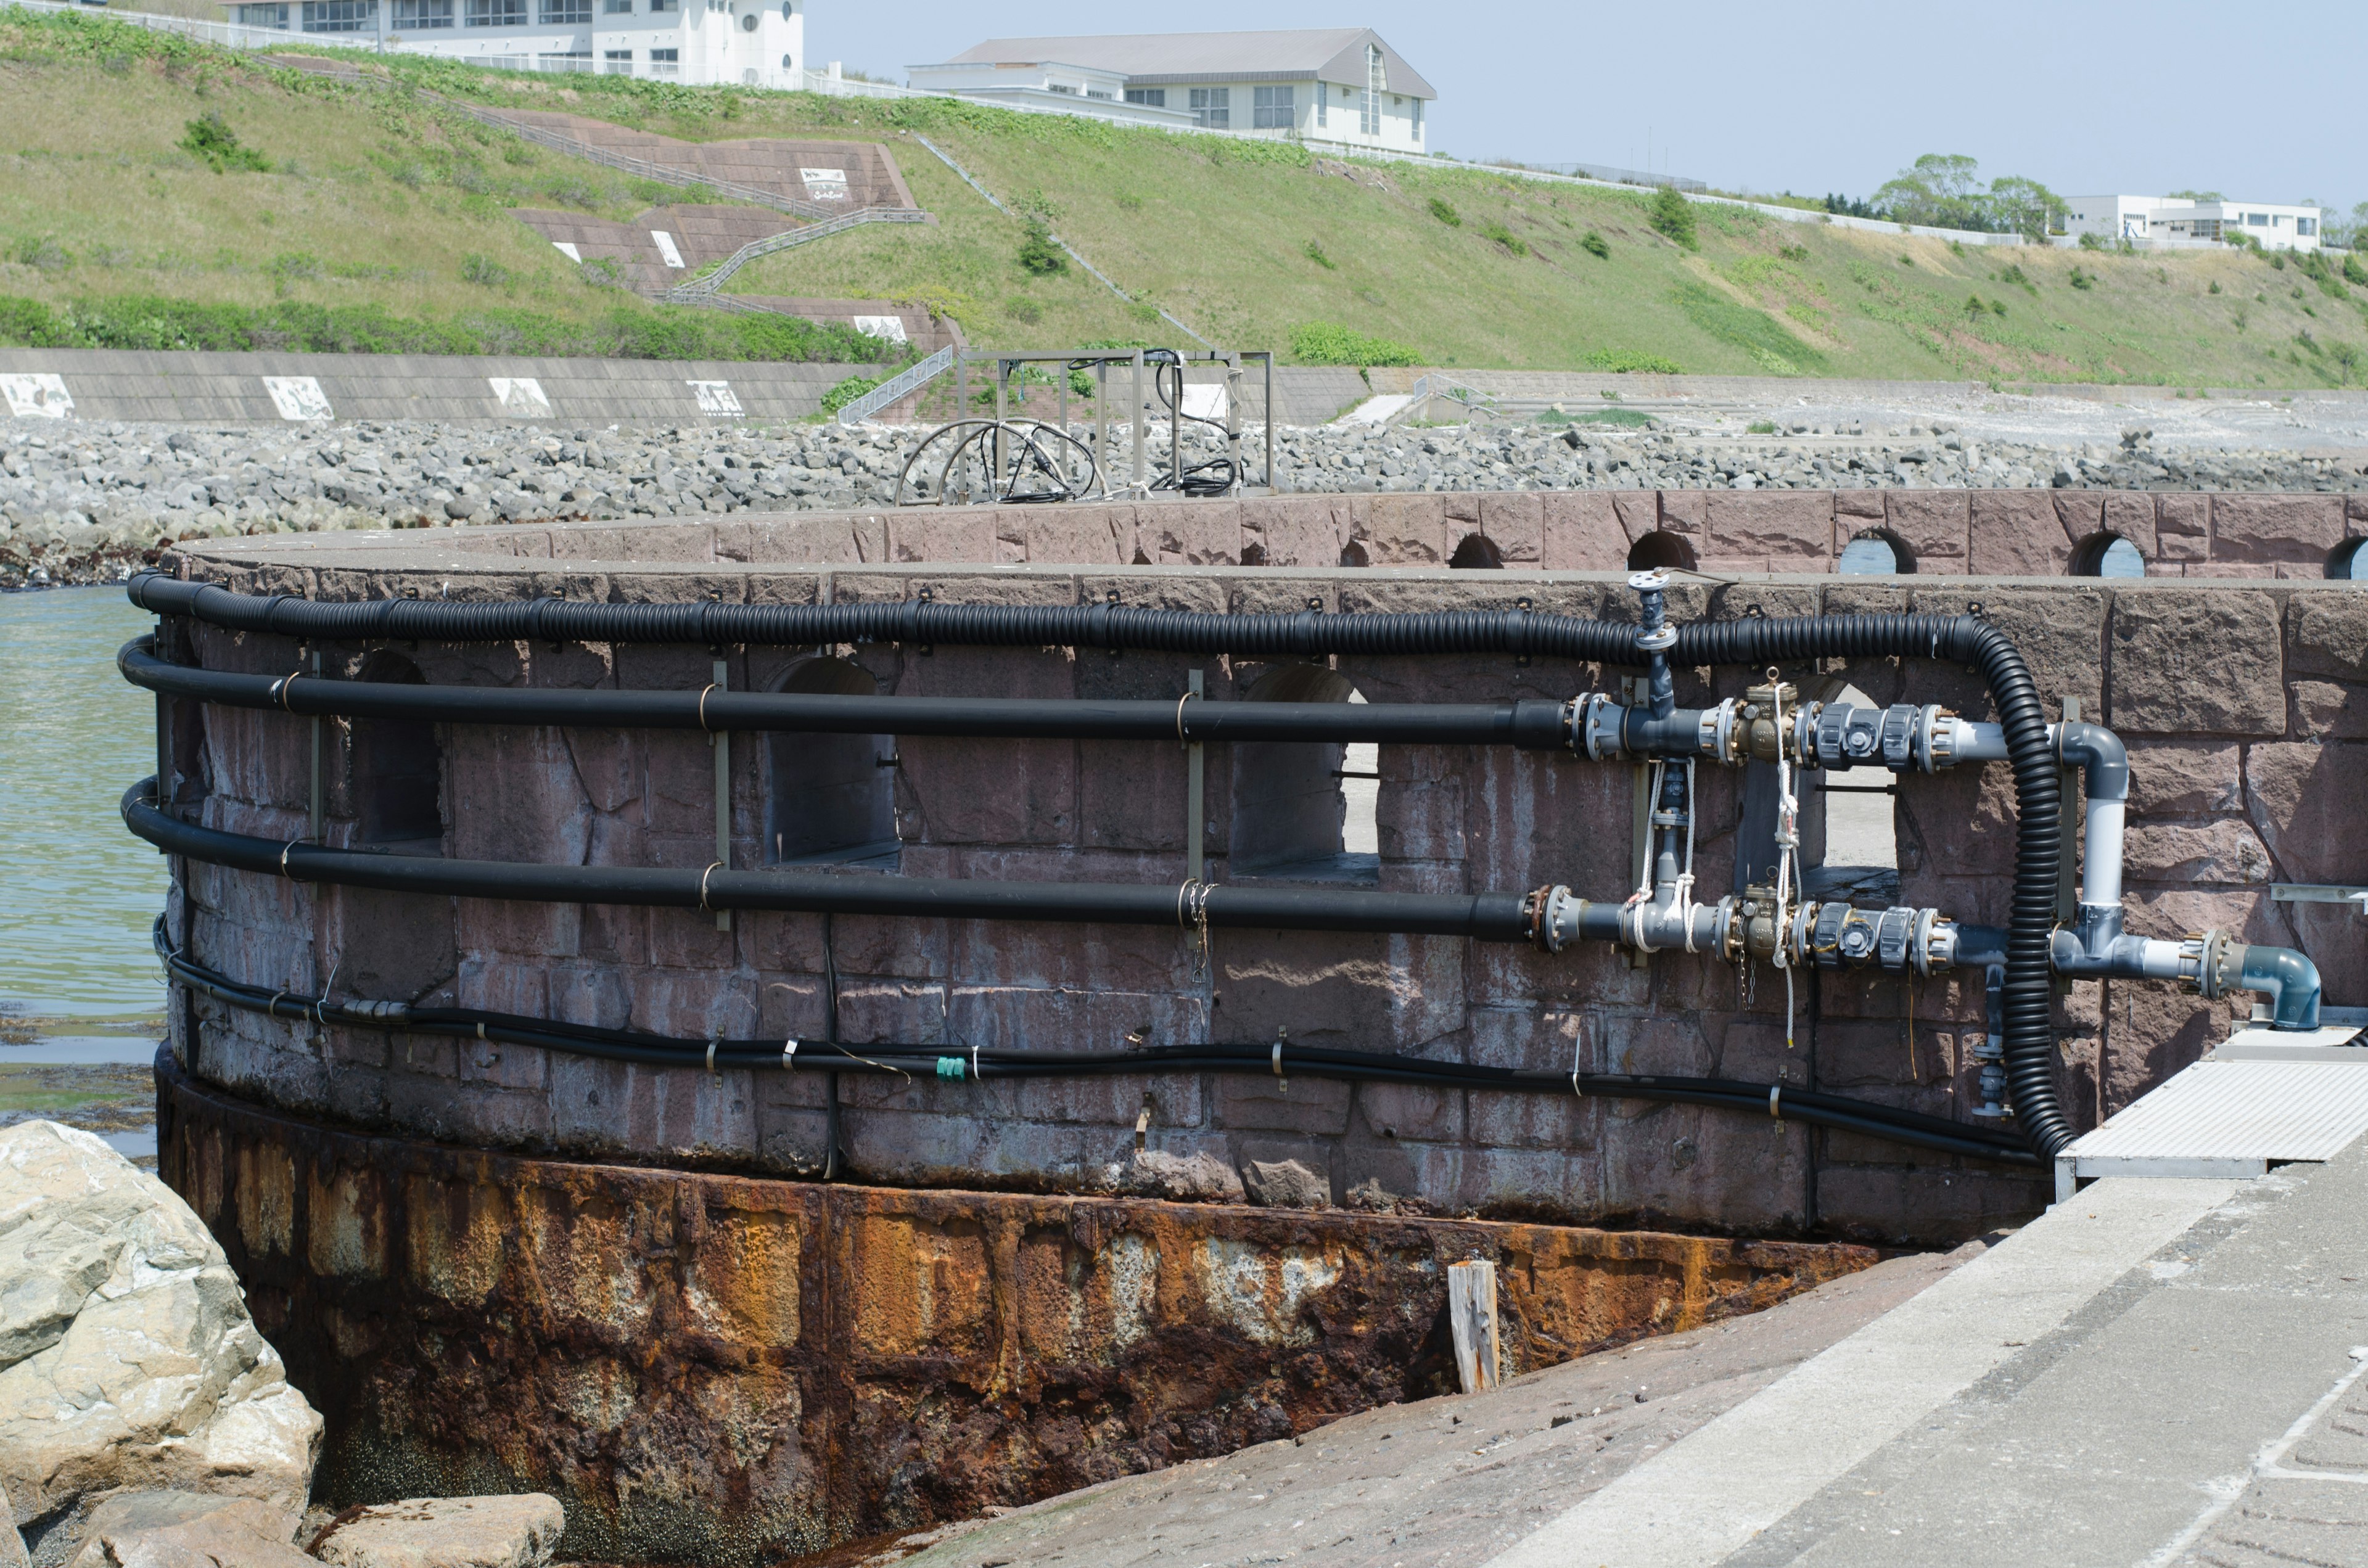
2243, 702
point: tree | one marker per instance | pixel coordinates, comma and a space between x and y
2025, 207
1673, 216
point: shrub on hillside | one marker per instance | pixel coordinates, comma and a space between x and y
1673, 217
211, 138
1038, 254
2083, 281
2352, 271
1595, 246
1445, 213
1315, 252
1323, 342
1504, 236
1622, 362
844, 393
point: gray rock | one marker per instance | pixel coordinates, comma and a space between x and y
446, 1532
1181, 1178
130, 1360
171, 1529
1285, 1183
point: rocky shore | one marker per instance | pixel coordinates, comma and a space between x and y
86, 503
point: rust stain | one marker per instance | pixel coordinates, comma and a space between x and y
723, 1370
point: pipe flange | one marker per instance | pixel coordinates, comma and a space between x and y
1922, 943
1656, 641
1594, 732
1648, 582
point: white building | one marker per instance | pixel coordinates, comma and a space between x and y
1340, 84
2169, 219
756, 43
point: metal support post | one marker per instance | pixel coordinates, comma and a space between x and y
1176, 429
1101, 420
1135, 421
1234, 421
319, 801
1272, 488
1002, 397
1196, 827
2068, 864
721, 741
1635, 690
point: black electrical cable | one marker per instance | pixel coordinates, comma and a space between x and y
2029, 1021
1193, 480
1488, 918
926, 1061
1534, 723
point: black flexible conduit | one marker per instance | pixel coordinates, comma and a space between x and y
2030, 1032
927, 1060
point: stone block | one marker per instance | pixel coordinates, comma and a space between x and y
1883, 1202
1100, 534
2188, 661
1132, 796
1247, 1102
2326, 634
2224, 852
2131, 517
1393, 1111
1191, 533
1295, 531
446, 1532
1403, 530
2276, 527
1935, 525
2152, 1031
2330, 711
2173, 778
1370, 992
2015, 533
1639, 511
937, 534
1515, 522
2310, 802
1582, 532
1794, 527
976, 791
2059, 630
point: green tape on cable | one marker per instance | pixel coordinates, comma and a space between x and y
950, 1067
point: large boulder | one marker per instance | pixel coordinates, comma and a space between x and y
127, 1362
187, 1530
446, 1532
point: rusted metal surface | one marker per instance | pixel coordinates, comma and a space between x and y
726, 1370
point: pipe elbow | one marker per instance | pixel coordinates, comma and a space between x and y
2289, 980
2103, 761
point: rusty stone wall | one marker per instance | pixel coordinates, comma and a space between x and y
717, 1369
2245, 705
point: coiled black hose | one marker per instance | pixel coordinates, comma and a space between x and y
2030, 1034
926, 1061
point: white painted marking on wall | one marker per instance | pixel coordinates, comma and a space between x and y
522, 395
715, 397
890, 327
1204, 402
825, 185
665, 247
567, 250
37, 395
298, 397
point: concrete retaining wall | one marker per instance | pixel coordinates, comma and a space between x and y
2245, 703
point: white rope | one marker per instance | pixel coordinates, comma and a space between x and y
1686, 877
1788, 845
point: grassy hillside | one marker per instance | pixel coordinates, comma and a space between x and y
374, 199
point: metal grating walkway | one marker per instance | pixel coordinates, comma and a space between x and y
2229, 1118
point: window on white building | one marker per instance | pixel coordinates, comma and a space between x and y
263, 15
565, 13
617, 8
617, 63
1097, 93
1060, 87
1368, 108
420, 16
2306, 226
1418, 120
340, 16
1323, 107
1273, 108
2257, 220
1155, 96
494, 14
665, 61
1212, 106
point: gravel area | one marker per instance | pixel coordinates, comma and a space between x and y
88, 502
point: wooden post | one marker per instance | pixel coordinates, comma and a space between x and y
1471, 1313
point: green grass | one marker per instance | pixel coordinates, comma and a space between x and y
375, 199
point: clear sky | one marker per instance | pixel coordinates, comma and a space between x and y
2257, 99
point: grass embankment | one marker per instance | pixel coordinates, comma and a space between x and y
1252, 244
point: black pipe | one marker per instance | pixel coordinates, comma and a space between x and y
922, 1060
1534, 723
2029, 989
1488, 918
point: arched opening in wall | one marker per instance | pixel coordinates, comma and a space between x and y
1876, 553
1305, 809
2107, 555
398, 769
1477, 552
1354, 554
830, 799
1859, 810
2348, 561
1660, 547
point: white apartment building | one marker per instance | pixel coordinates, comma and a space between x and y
2173, 220
755, 43
1341, 84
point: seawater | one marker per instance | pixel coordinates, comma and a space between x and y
77, 893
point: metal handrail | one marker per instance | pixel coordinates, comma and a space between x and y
902, 384
706, 283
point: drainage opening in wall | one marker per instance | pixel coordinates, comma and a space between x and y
1477, 551
398, 769
1305, 811
830, 800
1660, 548
1876, 553
2107, 555
2347, 562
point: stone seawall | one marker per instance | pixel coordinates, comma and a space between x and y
2245, 704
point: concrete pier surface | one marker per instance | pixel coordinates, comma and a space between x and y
2159, 1372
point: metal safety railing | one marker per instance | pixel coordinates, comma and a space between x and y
911, 379
707, 282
